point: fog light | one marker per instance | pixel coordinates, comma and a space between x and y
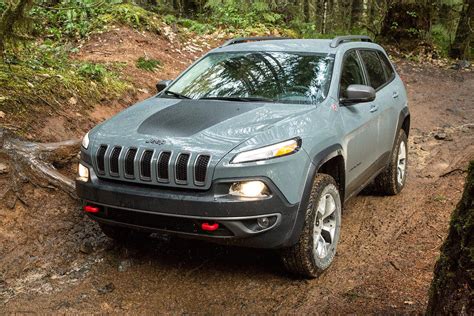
83, 173
249, 189
263, 222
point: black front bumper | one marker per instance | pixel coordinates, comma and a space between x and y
179, 211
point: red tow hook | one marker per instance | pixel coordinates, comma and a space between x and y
91, 209
209, 227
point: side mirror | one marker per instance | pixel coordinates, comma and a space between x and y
161, 85
358, 93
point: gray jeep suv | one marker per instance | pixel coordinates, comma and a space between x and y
259, 143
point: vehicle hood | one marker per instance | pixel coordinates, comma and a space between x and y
192, 125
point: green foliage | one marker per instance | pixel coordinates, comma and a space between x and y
76, 19
148, 64
94, 72
133, 16
440, 37
242, 15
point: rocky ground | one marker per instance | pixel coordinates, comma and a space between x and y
53, 258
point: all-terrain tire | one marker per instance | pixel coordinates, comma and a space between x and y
302, 258
387, 182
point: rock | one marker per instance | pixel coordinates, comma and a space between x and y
86, 247
3, 168
440, 135
72, 101
461, 64
2, 114
108, 288
124, 265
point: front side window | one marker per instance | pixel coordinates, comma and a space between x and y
351, 73
301, 78
374, 68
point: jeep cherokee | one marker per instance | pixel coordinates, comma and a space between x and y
258, 143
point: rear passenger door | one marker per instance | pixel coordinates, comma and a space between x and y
383, 108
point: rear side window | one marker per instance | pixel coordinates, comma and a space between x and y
351, 73
374, 68
387, 66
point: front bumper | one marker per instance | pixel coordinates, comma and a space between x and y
182, 211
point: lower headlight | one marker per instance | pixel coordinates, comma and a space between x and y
249, 189
83, 173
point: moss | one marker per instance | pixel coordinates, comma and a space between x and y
29, 91
148, 64
451, 291
132, 15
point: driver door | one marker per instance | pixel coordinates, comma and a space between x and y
359, 124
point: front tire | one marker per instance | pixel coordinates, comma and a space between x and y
316, 247
393, 179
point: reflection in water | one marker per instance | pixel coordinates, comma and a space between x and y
278, 76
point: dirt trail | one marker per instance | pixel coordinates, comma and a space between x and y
52, 258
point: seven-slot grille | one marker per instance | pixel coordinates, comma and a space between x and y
181, 168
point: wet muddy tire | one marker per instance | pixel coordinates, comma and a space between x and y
316, 247
393, 179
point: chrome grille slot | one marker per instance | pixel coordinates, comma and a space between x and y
145, 165
101, 159
200, 169
114, 161
129, 163
163, 164
182, 168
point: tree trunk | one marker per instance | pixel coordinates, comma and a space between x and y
460, 47
356, 13
451, 289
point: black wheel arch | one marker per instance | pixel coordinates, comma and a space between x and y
321, 162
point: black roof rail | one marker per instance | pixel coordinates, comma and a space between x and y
342, 39
239, 40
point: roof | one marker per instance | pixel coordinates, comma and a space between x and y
293, 45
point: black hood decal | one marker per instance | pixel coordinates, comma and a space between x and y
189, 117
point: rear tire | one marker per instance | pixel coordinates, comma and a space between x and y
316, 247
393, 179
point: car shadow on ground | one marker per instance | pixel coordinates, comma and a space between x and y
190, 255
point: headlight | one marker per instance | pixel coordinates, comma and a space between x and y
249, 189
277, 150
83, 173
85, 141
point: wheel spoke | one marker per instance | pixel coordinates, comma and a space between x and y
322, 206
401, 163
330, 206
321, 247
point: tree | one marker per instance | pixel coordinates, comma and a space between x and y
460, 46
452, 287
13, 18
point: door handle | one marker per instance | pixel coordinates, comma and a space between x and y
374, 107
395, 94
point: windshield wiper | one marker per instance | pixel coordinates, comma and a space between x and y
176, 94
240, 99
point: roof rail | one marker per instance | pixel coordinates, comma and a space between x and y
342, 39
252, 39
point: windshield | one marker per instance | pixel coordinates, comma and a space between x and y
301, 78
